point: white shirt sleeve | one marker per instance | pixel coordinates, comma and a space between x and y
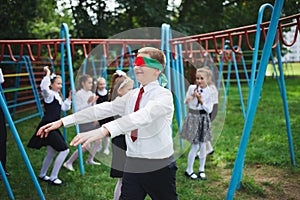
1, 77
97, 112
66, 105
47, 93
155, 109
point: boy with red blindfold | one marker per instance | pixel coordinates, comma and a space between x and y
147, 114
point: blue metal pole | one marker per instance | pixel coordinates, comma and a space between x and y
64, 31
21, 148
285, 105
33, 84
237, 170
6, 183
255, 52
238, 83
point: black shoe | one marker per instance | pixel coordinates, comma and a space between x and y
202, 176
192, 176
56, 182
211, 153
45, 178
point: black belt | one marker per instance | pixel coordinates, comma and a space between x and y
197, 111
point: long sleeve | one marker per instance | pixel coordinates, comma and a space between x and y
47, 93
153, 121
66, 105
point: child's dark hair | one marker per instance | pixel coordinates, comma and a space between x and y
83, 79
116, 82
53, 77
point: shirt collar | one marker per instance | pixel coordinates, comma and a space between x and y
150, 85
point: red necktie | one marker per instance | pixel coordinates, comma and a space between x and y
136, 107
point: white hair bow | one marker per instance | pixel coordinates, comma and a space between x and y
121, 73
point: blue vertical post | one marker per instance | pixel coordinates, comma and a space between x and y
21, 148
238, 83
64, 33
181, 79
6, 183
238, 166
33, 84
285, 105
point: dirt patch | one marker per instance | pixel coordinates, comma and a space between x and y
271, 182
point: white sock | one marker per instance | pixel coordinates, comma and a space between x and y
202, 158
74, 156
47, 161
117, 192
191, 158
106, 143
209, 147
93, 150
58, 163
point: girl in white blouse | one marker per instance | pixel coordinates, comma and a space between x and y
197, 125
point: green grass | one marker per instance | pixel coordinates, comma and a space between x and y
290, 69
267, 174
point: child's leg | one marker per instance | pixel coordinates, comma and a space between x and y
47, 161
93, 152
117, 192
191, 158
202, 159
74, 156
106, 145
209, 148
58, 163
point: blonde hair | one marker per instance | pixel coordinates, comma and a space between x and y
206, 72
101, 78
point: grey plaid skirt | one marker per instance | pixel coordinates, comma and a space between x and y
197, 127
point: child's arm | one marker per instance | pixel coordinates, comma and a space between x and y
66, 105
189, 95
45, 86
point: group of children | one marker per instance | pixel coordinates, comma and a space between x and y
201, 99
53, 104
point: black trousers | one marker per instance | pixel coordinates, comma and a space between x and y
159, 184
3, 137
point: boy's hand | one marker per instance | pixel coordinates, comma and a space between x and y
45, 130
87, 137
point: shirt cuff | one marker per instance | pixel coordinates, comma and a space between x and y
68, 101
68, 120
113, 129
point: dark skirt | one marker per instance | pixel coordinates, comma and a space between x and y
54, 139
118, 156
197, 127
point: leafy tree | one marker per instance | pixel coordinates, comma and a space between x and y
30, 19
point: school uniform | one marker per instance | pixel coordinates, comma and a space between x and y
150, 165
53, 104
197, 124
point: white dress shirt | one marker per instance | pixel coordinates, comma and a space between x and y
49, 94
153, 121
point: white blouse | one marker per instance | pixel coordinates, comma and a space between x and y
49, 94
207, 97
